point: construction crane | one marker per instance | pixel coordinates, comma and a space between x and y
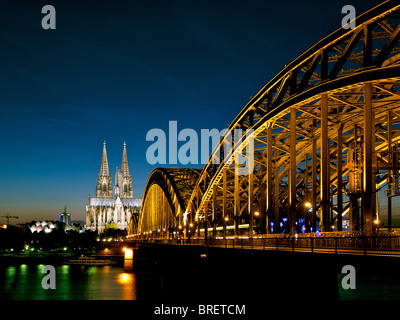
8, 217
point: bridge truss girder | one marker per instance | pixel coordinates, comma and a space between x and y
363, 166
166, 194
325, 132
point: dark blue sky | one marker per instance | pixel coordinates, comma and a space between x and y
113, 70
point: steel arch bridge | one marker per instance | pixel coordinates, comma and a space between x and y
324, 141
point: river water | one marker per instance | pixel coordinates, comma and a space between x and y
24, 282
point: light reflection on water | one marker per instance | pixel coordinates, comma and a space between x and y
24, 282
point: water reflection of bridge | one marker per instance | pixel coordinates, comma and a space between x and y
326, 149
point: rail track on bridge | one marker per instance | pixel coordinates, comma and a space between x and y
343, 243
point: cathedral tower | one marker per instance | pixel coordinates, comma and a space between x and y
123, 179
104, 187
106, 208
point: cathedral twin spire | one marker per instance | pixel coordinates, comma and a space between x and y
104, 162
123, 180
124, 165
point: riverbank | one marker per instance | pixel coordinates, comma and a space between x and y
52, 259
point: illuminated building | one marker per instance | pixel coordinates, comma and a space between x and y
106, 207
64, 217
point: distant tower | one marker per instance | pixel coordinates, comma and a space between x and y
123, 179
65, 217
104, 186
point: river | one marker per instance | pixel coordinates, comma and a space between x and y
24, 282
180, 273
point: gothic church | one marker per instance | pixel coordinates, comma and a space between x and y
112, 206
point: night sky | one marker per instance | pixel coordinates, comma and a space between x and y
113, 70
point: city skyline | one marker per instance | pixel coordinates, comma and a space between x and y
112, 72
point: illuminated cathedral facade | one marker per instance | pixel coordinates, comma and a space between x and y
112, 205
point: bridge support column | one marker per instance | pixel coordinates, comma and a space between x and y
353, 179
198, 218
369, 134
236, 197
339, 172
314, 179
324, 165
250, 198
292, 173
391, 159
198, 227
224, 212
269, 180
306, 191
205, 221
276, 201
262, 200
214, 210
167, 217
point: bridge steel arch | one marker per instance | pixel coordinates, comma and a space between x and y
164, 201
325, 132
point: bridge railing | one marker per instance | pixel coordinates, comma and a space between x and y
387, 244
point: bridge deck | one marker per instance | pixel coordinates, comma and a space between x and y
360, 245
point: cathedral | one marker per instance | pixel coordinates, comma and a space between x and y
112, 205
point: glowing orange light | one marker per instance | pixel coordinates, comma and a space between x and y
125, 278
128, 253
